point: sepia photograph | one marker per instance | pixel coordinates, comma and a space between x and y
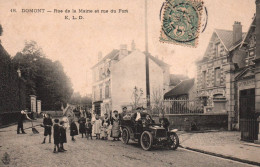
129, 83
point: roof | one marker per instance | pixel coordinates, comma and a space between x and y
226, 37
158, 61
110, 55
115, 52
175, 79
182, 88
250, 29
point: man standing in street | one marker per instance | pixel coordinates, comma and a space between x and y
22, 116
124, 113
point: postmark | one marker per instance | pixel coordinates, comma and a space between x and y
181, 22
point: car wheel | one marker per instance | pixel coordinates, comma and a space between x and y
146, 140
125, 136
173, 141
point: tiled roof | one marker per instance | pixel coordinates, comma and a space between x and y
181, 89
226, 36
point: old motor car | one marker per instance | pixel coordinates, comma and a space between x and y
148, 134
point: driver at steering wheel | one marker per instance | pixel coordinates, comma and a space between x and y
137, 119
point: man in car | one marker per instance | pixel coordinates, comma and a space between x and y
137, 115
137, 119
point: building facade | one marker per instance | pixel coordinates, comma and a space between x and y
225, 75
117, 74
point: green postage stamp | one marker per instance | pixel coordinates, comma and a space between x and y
181, 22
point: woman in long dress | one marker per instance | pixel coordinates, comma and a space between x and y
115, 122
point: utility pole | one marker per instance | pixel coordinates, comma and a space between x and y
147, 59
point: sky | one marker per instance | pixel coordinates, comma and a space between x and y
76, 43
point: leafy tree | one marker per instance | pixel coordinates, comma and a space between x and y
44, 78
1, 30
84, 101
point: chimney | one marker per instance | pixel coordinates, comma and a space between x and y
123, 51
99, 56
237, 32
133, 45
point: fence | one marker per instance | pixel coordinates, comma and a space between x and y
249, 129
178, 106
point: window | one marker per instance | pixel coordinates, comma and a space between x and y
100, 93
100, 73
204, 79
217, 76
217, 49
107, 91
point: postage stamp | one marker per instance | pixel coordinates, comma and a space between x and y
181, 22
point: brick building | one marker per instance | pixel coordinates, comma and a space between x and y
225, 75
212, 78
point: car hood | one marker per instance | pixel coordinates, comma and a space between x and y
156, 127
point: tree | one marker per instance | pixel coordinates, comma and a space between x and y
83, 101
1, 30
44, 78
136, 97
158, 101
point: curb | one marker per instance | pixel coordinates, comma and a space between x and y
222, 156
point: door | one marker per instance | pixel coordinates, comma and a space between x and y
247, 104
247, 122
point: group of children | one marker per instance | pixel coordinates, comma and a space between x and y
101, 127
85, 127
59, 132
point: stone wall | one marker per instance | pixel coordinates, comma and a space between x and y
202, 121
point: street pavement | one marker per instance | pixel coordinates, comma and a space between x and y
27, 150
224, 143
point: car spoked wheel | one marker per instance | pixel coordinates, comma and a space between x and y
125, 136
173, 141
146, 140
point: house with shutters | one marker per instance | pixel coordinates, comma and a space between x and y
117, 74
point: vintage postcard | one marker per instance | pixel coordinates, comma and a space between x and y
129, 83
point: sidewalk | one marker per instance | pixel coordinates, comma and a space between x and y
224, 144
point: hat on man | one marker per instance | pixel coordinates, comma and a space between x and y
139, 108
124, 107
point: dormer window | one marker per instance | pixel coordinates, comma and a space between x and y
217, 49
217, 76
